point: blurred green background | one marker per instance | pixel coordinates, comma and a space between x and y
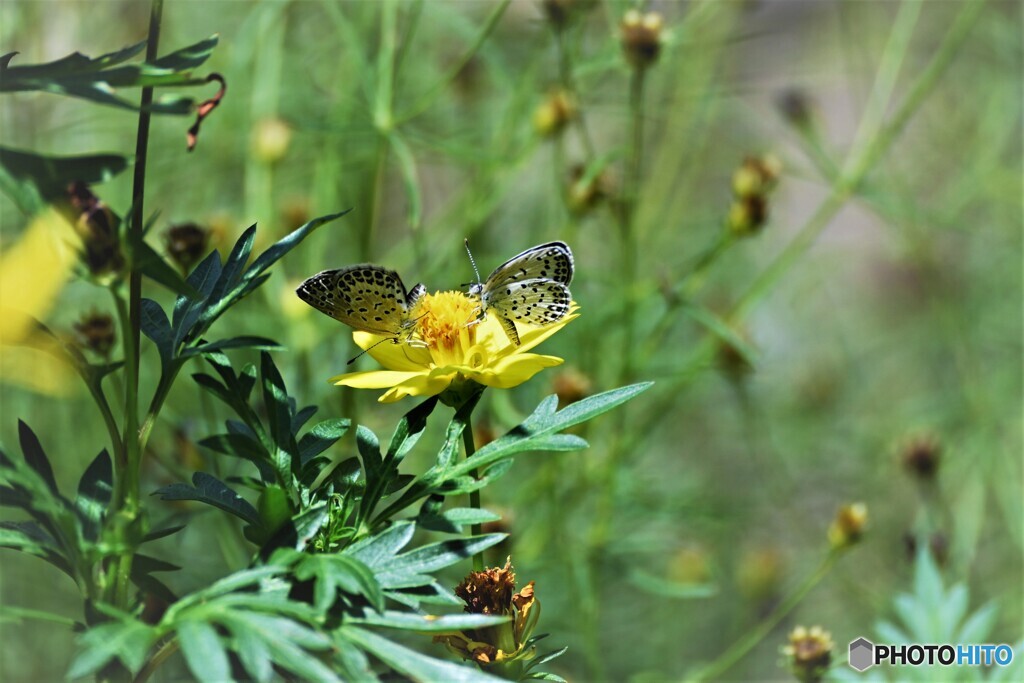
793, 372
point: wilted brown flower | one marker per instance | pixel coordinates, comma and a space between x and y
186, 244
492, 592
809, 652
96, 331
571, 386
97, 226
921, 455
641, 36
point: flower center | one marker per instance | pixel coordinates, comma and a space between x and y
445, 322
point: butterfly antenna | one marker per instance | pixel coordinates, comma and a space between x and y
472, 261
364, 351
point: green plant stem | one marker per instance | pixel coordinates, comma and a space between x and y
715, 669
158, 658
628, 223
843, 187
474, 496
38, 615
569, 85
428, 98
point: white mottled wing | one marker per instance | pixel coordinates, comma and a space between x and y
366, 297
537, 301
552, 260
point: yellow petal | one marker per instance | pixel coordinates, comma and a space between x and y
423, 384
514, 370
372, 379
32, 272
393, 356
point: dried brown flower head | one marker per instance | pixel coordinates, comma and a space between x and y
809, 652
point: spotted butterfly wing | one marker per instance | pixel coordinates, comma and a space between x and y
365, 297
531, 287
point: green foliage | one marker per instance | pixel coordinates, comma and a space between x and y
97, 80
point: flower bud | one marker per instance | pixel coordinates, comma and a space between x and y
186, 244
271, 139
641, 36
920, 456
759, 573
571, 385
561, 12
848, 525
796, 107
554, 113
809, 652
96, 331
97, 226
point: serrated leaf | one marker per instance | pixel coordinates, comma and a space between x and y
298, 531
127, 640
97, 79
252, 651
369, 450
188, 309
157, 328
452, 521
429, 623
95, 490
411, 663
244, 342
35, 456
203, 651
279, 413
151, 264
543, 423
32, 180
320, 437
377, 551
212, 491
429, 558
254, 276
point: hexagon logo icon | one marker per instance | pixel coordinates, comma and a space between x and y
862, 654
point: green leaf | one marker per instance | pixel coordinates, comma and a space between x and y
451, 521
279, 412
252, 651
234, 343
288, 641
409, 430
33, 180
95, 490
253, 276
369, 449
144, 258
128, 640
212, 491
157, 328
411, 663
429, 623
662, 587
377, 551
96, 80
530, 435
298, 531
203, 650
35, 456
429, 558
321, 437
31, 539
339, 572
187, 310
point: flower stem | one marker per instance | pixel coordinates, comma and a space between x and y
628, 222
715, 669
158, 658
474, 496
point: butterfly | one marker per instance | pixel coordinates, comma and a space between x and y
366, 297
531, 287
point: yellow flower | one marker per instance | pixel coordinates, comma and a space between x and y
450, 348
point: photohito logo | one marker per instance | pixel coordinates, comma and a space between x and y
864, 654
